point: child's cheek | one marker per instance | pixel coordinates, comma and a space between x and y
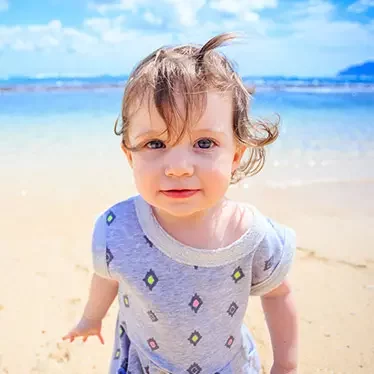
219, 166
145, 161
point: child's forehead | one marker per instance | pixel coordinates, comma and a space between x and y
216, 115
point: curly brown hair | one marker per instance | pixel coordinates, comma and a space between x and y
190, 71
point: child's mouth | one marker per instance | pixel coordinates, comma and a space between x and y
180, 193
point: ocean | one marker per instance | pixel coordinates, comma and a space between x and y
327, 125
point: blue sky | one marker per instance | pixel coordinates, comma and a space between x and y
94, 37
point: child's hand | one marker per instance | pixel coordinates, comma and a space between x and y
85, 328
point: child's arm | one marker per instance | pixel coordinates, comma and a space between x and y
104, 287
281, 318
271, 263
102, 294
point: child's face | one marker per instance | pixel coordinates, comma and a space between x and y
193, 175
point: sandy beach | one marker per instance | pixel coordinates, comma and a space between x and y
49, 201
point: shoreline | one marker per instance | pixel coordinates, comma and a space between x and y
343, 88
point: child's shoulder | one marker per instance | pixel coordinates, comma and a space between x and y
118, 222
273, 254
271, 230
121, 210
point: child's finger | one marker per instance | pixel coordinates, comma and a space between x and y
100, 338
70, 336
85, 338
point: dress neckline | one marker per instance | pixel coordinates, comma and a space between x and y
188, 255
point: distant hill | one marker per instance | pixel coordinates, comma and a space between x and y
366, 68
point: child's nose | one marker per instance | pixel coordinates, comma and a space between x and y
179, 165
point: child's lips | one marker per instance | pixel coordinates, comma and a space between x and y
180, 193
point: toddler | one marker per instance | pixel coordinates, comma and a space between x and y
181, 258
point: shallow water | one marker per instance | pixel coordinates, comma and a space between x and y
324, 136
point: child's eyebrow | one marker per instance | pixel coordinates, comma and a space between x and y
147, 134
210, 131
154, 133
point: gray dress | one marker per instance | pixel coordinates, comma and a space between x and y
181, 309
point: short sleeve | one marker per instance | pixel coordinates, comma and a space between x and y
273, 258
99, 248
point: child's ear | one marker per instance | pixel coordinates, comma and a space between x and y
127, 153
239, 152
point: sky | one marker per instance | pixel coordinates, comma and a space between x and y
95, 37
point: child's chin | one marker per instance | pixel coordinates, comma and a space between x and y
182, 210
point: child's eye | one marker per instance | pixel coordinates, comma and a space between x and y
155, 144
205, 143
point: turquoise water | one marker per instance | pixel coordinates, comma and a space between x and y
331, 120
317, 128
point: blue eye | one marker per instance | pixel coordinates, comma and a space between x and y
205, 143
155, 144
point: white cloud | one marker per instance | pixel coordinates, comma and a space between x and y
152, 18
243, 10
239, 6
316, 26
262, 4
20, 45
4, 5
310, 8
99, 46
361, 6
108, 30
98, 25
52, 26
50, 36
179, 13
115, 36
187, 10
115, 6
319, 7
114, 30
318, 43
251, 17
101, 24
78, 41
309, 39
96, 59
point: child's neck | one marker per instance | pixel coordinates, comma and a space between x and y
213, 228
